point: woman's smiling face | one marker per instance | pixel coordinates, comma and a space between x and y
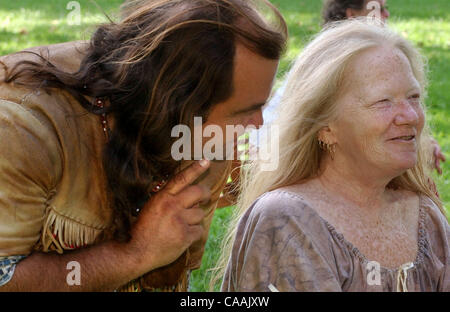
380, 117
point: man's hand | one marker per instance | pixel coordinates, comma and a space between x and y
171, 220
168, 224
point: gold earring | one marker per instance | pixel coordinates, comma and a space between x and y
329, 148
332, 151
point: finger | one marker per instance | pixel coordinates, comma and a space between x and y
438, 167
193, 216
441, 157
186, 176
193, 194
195, 232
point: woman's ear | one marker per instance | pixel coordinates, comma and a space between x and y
326, 135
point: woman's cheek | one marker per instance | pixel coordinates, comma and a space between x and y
421, 115
374, 128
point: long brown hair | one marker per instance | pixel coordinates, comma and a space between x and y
163, 63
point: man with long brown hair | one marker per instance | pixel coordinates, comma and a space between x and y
88, 126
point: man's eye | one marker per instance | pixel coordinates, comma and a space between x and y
415, 96
254, 110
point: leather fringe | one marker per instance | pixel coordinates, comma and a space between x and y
61, 233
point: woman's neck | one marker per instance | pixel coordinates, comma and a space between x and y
360, 186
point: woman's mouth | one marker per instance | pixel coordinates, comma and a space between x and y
406, 138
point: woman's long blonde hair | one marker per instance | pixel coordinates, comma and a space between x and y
307, 105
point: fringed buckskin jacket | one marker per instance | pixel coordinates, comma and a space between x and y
53, 194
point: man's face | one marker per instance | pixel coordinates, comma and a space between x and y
253, 77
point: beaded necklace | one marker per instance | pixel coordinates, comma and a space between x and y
104, 121
155, 186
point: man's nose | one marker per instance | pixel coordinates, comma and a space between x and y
257, 119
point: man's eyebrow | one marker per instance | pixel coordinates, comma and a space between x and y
250, 108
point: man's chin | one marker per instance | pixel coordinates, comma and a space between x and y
220, 155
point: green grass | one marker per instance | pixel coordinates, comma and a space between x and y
27, 23
201, 277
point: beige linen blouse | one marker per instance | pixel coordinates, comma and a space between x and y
283, 244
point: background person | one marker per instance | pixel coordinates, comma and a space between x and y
338, 10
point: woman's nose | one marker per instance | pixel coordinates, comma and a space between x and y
408, 113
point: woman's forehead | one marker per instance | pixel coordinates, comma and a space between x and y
378, 66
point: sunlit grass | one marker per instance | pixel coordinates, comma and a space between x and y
27, 23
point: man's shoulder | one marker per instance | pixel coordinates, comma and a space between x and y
66, 55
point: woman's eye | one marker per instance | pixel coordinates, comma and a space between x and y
415, 99
382, 102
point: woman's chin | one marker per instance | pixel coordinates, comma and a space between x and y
405, 163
